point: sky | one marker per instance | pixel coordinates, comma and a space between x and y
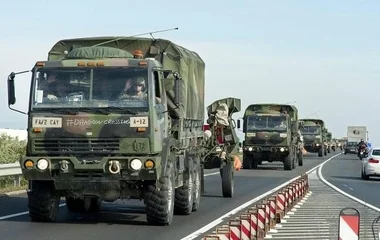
322, 56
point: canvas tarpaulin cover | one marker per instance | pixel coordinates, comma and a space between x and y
172, 56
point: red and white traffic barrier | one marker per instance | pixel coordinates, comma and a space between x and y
349, 224
257, 221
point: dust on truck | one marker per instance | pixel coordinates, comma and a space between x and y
312, 131
114, 118
271, 134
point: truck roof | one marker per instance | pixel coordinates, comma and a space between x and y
172, 56
272, 108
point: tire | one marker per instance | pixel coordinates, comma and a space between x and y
364, 176
43, 201
320, 153
96, 204
300, 158
184, 198
288, 163
294, 160
227, 175
159, 199
197, 187
247, 161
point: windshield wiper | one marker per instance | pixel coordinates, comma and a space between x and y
126, 110
95, 110
58, 110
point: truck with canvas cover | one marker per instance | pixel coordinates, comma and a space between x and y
312, 131
113, 118
222, 142
271, 134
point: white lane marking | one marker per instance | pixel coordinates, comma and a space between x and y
341, 191
219, 220
64, 204
22, 213
210, 174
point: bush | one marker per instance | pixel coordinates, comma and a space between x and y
11, 150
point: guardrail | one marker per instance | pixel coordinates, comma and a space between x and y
259, 220
11, 169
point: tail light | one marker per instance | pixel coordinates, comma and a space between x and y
371, 160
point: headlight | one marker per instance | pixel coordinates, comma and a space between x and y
42, 164
250, 149
136, 164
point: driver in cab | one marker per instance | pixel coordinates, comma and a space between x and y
134, 88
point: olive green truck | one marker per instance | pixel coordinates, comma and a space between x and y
112, 118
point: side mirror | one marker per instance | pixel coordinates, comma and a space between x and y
11, 89
238, 123
240, 144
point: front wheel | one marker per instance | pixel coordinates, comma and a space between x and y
159, 199
43, 201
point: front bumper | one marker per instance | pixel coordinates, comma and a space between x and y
273, 149
63, 169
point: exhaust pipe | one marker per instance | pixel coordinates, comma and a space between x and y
114, 167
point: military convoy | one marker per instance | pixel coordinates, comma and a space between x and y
271, 134
123, 118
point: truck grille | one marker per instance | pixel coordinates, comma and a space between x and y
76, 145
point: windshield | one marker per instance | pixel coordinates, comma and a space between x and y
90, 88
311, 130
269, 123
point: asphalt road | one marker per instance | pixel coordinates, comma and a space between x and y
344, 172
126, 220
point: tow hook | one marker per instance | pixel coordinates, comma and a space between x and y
114, 167
64, 166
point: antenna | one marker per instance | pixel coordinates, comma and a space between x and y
140, 34
314, 113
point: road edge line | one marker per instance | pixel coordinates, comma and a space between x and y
219, 220
320, 176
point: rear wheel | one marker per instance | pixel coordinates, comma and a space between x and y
227, 175
288, 163
364, 175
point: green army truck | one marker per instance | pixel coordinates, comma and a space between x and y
271, 134
312, 131
222, 142
115, 118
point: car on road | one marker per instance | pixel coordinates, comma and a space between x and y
351, 147
371, 164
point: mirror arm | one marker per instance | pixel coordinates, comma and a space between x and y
17, 110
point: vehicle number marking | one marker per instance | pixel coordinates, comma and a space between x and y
46, 122
139, 122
